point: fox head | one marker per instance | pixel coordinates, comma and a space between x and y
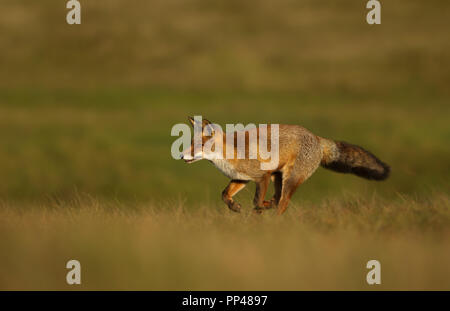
203, 143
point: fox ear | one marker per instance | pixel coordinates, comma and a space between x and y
191, 120
205, 122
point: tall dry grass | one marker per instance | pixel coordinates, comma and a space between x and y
168, 247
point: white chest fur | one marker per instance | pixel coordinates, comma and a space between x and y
229, 170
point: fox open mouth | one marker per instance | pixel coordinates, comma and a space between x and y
189, 161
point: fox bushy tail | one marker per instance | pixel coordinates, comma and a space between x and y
347, 158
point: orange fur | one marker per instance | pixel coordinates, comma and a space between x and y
300, 154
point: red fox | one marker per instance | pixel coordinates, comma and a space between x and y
300, 154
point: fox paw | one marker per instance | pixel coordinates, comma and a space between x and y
235, 207
269, 204
258, 210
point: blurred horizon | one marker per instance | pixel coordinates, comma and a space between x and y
88, 108
227, 45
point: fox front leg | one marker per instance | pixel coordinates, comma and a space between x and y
277, 179
227, 195
261, 190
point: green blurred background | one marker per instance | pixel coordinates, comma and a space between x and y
89, 108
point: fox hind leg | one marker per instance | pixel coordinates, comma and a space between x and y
297, 172
292, 176
289, 185
227, 195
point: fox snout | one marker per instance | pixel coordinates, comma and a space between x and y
187, 156
187, 159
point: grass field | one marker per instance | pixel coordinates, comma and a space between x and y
85, 165
170, 247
